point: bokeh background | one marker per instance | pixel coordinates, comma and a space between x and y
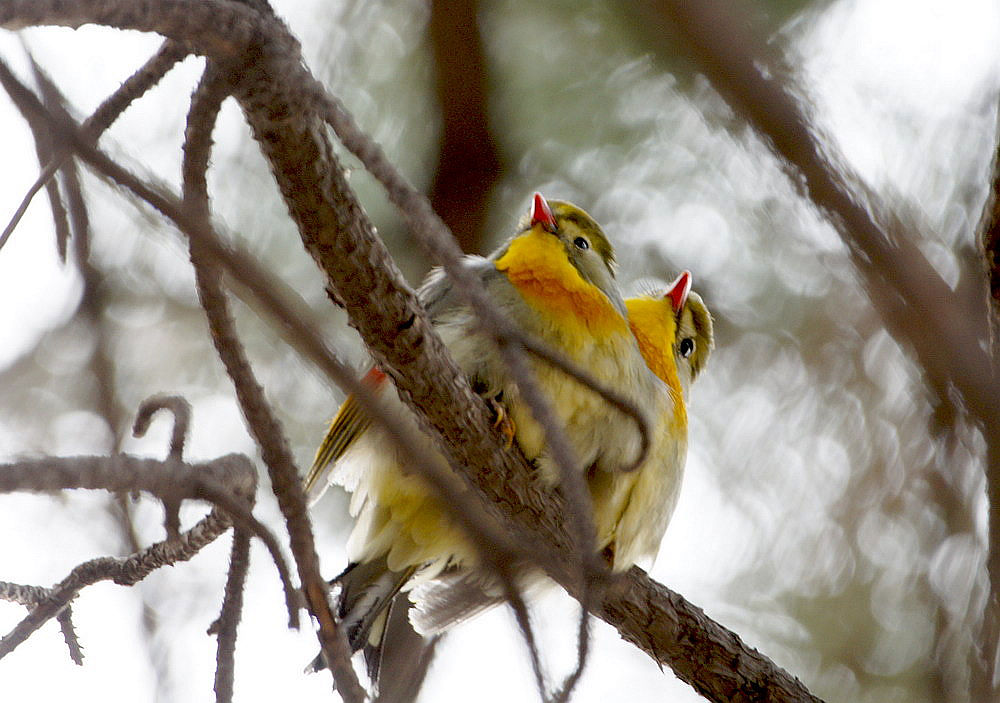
832, 514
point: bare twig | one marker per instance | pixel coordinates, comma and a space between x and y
263, 424
228, 482
181, 410
587, 379
229, 619
32, 596
51, 602
65, 619
44, 150
79, 221
182, 419
133, 88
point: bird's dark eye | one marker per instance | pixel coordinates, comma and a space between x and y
581, 243
687, 346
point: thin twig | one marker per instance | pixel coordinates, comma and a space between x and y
134, 87
79, 220
44, 151
53, 601
181, 410
31, 596
226, 625
228, 482
65, 619
523, 620
263, 424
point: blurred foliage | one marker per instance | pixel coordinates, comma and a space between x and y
850, 513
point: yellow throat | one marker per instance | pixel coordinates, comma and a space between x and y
537, 265
655, 332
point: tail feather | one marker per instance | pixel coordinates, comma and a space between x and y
367, 590
451, 599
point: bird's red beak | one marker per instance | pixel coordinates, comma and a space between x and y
541, 214
678, 290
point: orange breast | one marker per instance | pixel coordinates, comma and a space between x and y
537, 265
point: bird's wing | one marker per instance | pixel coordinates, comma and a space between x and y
438, 296
349, 424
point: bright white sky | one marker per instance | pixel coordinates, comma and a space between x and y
871, 63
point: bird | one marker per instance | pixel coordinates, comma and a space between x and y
555, 280
674, 330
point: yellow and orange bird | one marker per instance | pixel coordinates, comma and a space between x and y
632, 510
674, 330
555, 280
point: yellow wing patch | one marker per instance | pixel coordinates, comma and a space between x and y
349, 423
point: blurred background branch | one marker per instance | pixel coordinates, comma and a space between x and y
468, 166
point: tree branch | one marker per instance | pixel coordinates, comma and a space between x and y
229, 619
361, 276
228, 482
263, 424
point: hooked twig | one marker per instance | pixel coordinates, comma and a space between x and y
181, 410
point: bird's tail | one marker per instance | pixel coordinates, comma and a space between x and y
366, 592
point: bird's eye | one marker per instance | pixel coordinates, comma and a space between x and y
687, 346
581, 243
